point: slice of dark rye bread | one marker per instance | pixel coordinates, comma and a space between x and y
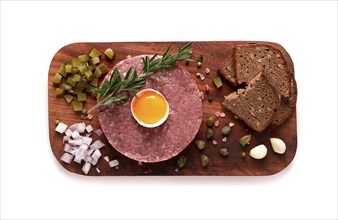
227, 68
287, 104
256, 105
251, 60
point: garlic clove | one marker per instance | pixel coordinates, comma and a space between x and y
278, 145
259, 152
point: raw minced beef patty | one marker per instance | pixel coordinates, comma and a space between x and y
170, 138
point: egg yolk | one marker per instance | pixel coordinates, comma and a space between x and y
149, 107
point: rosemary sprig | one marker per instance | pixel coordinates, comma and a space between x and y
109, 93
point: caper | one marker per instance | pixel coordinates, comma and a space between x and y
181, 161
200, 144
223, 151
243, 154
199, 64
245, 140
210, 121
210, 133
226, 130
204, 160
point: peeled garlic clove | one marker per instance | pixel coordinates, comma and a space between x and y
278, 145
259, 152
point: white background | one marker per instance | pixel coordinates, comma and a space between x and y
33, 184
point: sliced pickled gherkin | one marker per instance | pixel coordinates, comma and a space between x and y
75, 70
77, 106
93, 61
97, 72
103, 68
94, 53
82, 68
76, 62
83, 58
94, 82
57, 79
67, 87
76, 77
81, 97
68, 98
69, 68
62, 70
109, 53
82, 84
59, 91
71, 81
89, 74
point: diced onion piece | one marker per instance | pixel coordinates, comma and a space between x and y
81, 127
67, 147
65, 138
67, 158
89, 128
74, 143
88, 159
90, 151
94, 162
106, 158
97, 144
87, 140
68, 132
86, 167
97, 154
84, 147
98, 132
98, 170
73, 127
61, 127
75, 134
113, 163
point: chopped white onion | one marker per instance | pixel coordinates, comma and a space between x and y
94, 162
84, 147
67, 147
61, 127
89, 128
86, 167
98, 170
68, 132
97, 144
65, 138
75, 134
113, 163
78, 159
98, 132
67, 158
74, 143
97, 154
73, 127
88, 159
90, 151
87, 140
81, 127
106, 158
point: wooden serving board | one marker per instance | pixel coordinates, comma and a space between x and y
213, 53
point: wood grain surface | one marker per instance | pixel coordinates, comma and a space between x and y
233, 165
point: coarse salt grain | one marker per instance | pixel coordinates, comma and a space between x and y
222, 115
207, 70
224, 139
216, 124
217, 114
231, 124
214, 142
106, 158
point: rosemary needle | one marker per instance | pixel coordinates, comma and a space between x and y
110, 91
